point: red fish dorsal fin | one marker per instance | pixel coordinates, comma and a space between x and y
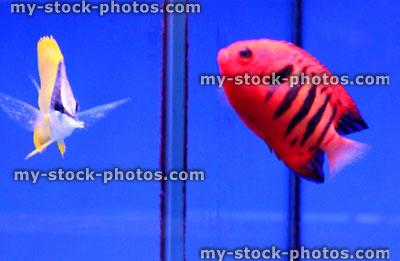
349, 119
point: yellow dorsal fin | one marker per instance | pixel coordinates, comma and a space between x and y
61, 147
49, 56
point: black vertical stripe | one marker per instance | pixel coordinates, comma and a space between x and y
321, 138
312, 124
284, 73
269, 95
287, 101
304, 110
270, 91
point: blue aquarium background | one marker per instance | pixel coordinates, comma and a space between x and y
244, 199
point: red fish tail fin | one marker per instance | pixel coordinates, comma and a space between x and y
342, 152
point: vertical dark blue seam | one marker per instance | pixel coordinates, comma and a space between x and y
163, 135
294, 205
186, 126
163, 130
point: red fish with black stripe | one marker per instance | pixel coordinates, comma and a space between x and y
299, 123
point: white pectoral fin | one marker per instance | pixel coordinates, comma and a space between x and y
92, 116
22, 113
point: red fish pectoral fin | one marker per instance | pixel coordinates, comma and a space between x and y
341, 152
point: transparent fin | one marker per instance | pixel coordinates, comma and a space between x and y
22, 113
92, 116
35, 83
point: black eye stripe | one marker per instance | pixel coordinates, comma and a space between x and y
59, 107
246, 53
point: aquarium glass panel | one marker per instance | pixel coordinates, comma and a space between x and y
243, 199
359, 208
107, 58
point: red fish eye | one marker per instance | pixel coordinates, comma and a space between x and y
246, 53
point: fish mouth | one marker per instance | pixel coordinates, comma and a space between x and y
223, 61
223, 57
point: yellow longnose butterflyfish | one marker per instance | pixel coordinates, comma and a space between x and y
57, 116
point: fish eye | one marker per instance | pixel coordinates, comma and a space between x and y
245, 53
59, 107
